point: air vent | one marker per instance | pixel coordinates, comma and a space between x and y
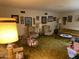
45, 13
22, 11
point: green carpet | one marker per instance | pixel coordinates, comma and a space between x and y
48, 48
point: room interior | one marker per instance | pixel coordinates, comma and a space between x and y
36, 23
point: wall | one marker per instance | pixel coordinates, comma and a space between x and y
74, 24
7, 12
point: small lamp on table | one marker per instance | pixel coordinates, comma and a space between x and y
8, 34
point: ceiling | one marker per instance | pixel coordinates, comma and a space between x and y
51, 5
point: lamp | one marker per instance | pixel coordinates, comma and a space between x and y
8, 34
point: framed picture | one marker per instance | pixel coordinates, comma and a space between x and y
64, 20
19, 52
16, 17
43, 19
37, 18
69, 18
33, 20
50, 18
22, 19
46, 28
54, 18
28, 21
77, 17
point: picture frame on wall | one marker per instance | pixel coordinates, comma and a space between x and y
37, 18
54, 18
47, 28
28, 21
43, 19
16, 17
77, 17
22, 18
64, 20
50, 18
69, 18
34, 21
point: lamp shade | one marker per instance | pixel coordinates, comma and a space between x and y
8, 30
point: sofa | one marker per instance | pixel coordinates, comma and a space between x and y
70, 31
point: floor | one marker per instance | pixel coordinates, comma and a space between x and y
48, 48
